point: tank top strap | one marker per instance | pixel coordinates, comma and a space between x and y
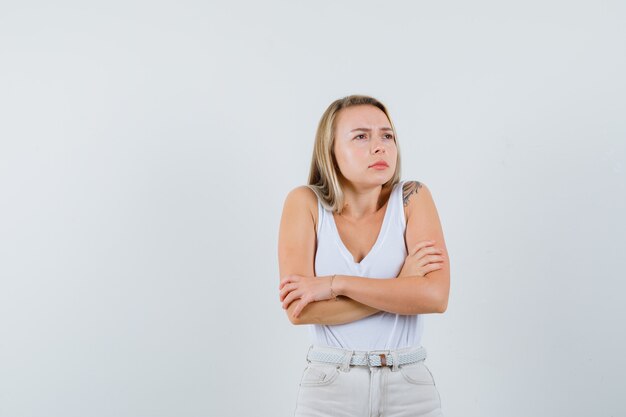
398, 204
321, 215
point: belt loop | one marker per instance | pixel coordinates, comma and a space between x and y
307, 354
396, 360
345, 366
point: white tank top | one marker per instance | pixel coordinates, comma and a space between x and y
383, 330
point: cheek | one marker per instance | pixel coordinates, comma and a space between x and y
345, 155
392, 151
356, 158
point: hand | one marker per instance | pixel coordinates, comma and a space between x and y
307, 289
422, 259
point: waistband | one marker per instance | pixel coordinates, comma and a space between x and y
347, 357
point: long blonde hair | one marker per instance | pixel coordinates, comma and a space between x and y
323, 175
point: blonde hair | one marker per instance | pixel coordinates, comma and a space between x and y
323, 175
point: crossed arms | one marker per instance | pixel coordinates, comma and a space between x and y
361, 297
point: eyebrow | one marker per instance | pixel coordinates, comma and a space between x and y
369, 130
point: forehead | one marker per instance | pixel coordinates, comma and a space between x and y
366, 116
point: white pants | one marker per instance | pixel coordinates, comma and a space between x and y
367, 391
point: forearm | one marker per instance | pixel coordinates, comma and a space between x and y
343, 310
406, 295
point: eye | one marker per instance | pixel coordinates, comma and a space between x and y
388, 136
359, 136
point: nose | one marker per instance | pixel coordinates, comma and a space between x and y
379, 147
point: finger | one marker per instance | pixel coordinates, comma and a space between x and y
424, 264
295, 311
428, 251
293, 295
291, 278
283, 281
422, 244
424, 255
287, 289
434, 258
303, 302
289, 299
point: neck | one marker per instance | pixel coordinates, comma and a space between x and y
360, 204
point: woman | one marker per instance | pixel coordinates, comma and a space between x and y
342, 239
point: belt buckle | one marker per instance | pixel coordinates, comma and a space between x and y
383, 358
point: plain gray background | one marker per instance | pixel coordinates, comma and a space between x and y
147, 148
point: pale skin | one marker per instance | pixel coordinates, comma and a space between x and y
363, 135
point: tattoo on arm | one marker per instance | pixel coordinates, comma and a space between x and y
408, 189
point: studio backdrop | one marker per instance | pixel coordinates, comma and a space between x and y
146, 150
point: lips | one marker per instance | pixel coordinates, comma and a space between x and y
379, 163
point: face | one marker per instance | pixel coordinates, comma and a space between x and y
363, 136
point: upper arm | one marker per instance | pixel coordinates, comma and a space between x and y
423, 223
297, 236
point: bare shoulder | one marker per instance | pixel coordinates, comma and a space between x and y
413, 193
303, 197
296, 236
423, 222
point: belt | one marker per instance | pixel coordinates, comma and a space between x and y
372, 358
